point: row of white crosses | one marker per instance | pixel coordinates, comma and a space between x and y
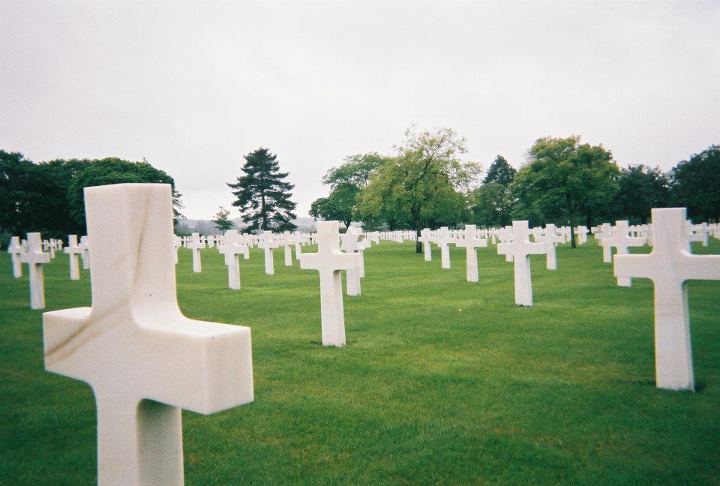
31, 252
144, 360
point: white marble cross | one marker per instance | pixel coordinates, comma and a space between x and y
85, 255
73, 250
287, 245
16, 250
471, 241
520, 249
349, 244
581, 232
196, 245
298, 239
549, 238
329, 261
669, 266
144, 360
425, 239
232, 248
443, 241
35, 258
621, 240
268, 245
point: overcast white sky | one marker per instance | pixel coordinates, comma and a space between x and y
194, 86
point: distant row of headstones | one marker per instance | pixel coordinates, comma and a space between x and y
146, 361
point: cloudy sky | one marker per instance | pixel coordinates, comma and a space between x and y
194, 86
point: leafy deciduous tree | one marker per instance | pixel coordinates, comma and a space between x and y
695, 183
425, 185
112, 170
565, 181
641, 189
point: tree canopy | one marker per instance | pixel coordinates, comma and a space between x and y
500, 172
346, 181
263, 195
641, 189
566, 182
425, 184
695, 183
48, 197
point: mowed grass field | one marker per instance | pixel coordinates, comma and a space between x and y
442, 381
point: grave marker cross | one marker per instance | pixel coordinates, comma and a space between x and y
144, 360
425, 239
669, 266
36, 258
443, 241
520, 248
329, 261
195, 245
16, 250
470, 243
73, 250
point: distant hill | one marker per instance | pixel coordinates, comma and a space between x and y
207, 227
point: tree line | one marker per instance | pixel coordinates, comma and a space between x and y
48, 196
425, 183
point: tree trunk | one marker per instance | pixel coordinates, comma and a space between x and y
572, 234
418, 243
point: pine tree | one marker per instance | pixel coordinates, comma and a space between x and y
263, 195
222, 220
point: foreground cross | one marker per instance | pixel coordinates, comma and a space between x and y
329, 261
470, 243
520, 249
16, 250
73, 250
36, 258
144, 360
669, 266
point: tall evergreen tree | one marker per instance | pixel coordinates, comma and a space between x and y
500, 172
263, 195
222, 220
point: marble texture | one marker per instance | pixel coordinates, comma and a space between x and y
669, 266
144, 360
35, 259
329, 261
520, 249
73, 250
15, 249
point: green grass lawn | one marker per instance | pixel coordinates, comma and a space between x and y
442, 381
